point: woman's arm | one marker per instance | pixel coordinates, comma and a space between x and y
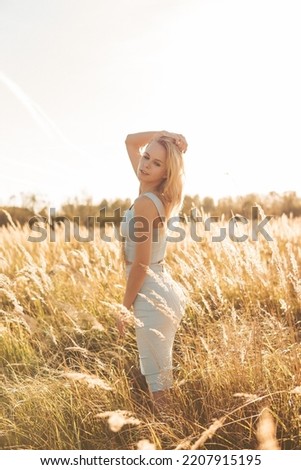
145, 210
134, 142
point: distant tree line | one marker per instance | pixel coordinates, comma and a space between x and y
85, 212
273, 203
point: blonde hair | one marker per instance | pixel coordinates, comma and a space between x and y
172, 187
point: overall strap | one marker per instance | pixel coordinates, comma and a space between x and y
157, 201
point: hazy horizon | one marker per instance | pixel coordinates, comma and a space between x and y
41, 202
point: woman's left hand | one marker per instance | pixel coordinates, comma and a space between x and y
120, 324
181, 142
122, 319
178, 139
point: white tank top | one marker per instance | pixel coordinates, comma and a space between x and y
159, 234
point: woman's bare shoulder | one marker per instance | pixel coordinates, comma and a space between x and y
160, 196
143, 203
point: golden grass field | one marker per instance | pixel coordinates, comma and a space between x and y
68, 381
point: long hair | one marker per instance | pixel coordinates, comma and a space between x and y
172, 187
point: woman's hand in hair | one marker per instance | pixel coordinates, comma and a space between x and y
178, 139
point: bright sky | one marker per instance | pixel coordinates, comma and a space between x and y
76, 76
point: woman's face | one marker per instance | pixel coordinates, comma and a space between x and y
152, 164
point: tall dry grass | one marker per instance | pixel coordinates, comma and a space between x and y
69, 382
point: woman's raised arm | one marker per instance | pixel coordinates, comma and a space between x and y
134, 142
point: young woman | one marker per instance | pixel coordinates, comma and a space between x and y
158, 301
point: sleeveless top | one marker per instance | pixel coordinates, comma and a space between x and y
127, 228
